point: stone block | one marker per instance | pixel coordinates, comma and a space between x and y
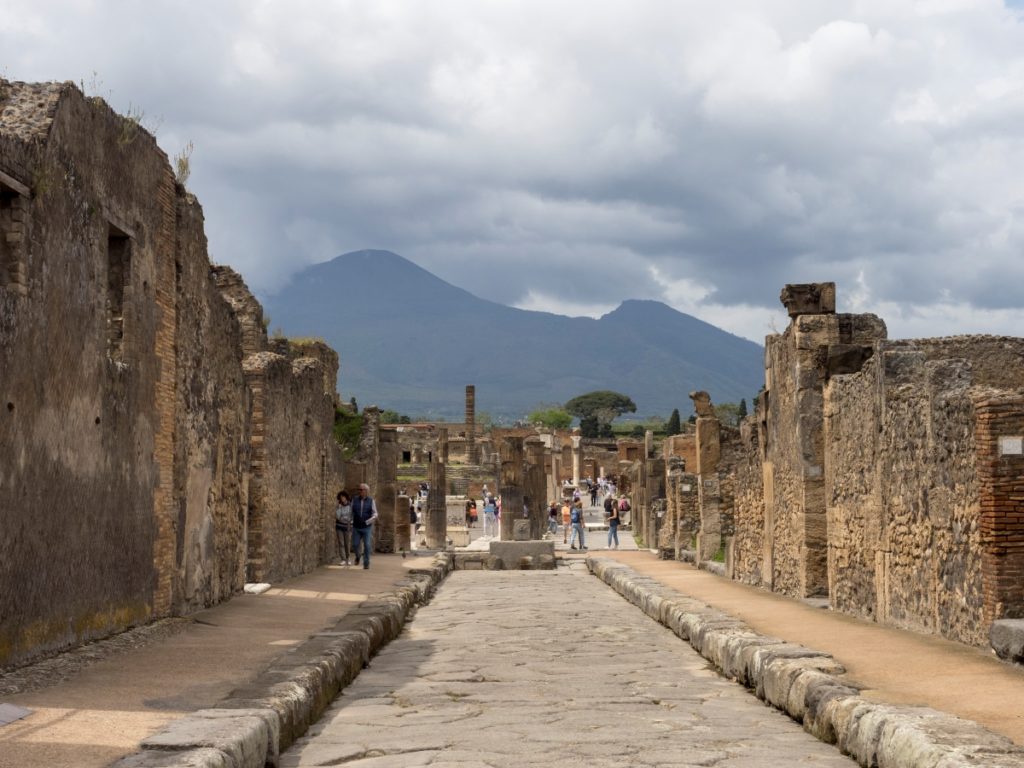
459, 535
1007, 639
512, 551
243, 738
192, 758
520, 530
809, 299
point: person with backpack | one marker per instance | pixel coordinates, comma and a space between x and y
611, 514
623, 507
576, 519
343, 526
364, 514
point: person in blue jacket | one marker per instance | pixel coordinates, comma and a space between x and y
364, 514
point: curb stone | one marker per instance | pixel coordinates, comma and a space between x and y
808, 686
263, 718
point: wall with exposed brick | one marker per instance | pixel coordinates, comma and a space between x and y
912, 522
745, 553
130, 432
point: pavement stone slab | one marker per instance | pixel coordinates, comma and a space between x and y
529, 668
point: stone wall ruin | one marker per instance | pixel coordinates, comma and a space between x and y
155, 452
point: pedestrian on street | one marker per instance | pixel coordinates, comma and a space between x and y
470, 512
413, 519
611, 513
553, 518
364, 514
576, 519
593, 495
490, 517
566, 518
343, 526
623, 507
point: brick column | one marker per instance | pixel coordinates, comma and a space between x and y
471, 452
998, 434
436, 525
510, 484
386, 493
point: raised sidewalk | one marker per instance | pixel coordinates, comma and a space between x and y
98, 703
293, 647
887, 665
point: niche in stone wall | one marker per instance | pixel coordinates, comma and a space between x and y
119, 262
13, 233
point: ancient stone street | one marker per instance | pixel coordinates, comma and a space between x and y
547, 668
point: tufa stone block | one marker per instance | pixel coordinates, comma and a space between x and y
809, 299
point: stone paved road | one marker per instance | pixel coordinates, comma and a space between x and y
521, 668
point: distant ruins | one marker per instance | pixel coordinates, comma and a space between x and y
157, 450
887, 476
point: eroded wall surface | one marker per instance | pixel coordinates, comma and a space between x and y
128, 428
904, 500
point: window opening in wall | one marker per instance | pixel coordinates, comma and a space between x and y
118, 274
13, 216
407, 457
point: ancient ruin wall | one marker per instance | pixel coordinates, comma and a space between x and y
904, 501
746, 548
292, 425
79, 373
212, 429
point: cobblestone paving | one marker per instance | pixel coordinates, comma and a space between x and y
547, 669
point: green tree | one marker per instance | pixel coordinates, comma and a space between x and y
553, 418
673, 427
389, 416
597, 410
743, 409
728, 413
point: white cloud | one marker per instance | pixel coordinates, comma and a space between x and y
574, 154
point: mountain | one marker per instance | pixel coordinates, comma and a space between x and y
410, 341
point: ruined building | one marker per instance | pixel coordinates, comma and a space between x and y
884, 475
156, 451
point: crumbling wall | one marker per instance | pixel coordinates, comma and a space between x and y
746, 545
85, 462
127, 425
905, 504
212, 429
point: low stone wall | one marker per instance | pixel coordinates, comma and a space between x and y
252, 727
809, 687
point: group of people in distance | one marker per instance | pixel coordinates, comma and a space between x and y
354, 519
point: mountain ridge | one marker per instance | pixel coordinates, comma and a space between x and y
414, 341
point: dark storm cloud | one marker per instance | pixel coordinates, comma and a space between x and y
568, 155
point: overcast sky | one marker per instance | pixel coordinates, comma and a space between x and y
565, 155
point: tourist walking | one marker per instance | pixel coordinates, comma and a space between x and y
593, 494
566, 518
470, 512
611, 513
490, 517
623, 507
364, 514
576, 519
343, 526
553, 518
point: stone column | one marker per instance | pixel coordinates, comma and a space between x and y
577, 456
403, 530
386, 492
536, 486
510, 484
436, 525
709, 452
471, 453
555, 486
648, 443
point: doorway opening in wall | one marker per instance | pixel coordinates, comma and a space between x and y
407, 457
119, 259
12, 234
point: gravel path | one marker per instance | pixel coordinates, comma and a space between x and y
521, 668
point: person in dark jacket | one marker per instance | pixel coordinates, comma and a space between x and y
364, 514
